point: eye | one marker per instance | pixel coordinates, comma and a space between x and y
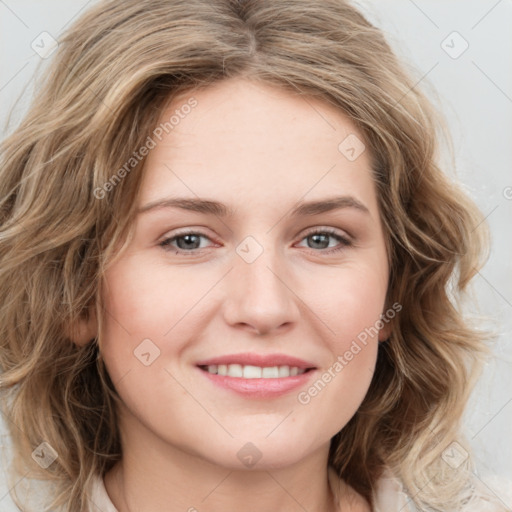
320, 240
188, 242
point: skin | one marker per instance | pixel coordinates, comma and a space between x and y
260, 150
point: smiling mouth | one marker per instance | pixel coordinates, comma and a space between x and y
254, 372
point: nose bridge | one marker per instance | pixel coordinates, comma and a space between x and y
258, 291
261, 274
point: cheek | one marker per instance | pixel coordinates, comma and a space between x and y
145, 300
134, 314
350, 307
349, 303
151, 311
140, 307
337, 391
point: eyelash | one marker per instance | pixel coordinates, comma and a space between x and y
344, 241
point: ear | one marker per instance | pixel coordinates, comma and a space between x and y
84, 330
385, 332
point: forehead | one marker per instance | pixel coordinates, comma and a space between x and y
256, 143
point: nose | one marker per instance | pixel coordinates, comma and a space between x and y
260, 296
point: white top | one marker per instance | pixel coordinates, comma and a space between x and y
390, 497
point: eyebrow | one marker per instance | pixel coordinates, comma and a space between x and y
207, 206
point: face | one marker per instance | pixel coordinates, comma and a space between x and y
271, 282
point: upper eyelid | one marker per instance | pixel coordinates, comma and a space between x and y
199, 231
330, 230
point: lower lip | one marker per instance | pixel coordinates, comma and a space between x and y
259, 388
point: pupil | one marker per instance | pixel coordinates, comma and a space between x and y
317, 236
188, 241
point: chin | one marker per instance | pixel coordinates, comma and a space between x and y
260, 453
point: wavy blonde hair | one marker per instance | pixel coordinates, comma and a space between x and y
114, 71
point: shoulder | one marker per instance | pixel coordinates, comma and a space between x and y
389, 495
490, 494
99, 497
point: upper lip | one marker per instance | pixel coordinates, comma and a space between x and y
262, 360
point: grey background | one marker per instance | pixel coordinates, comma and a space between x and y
474, 90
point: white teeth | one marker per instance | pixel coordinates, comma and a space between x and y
254, 372
270, 372
284, 371
235, 370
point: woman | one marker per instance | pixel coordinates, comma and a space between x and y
256, 369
